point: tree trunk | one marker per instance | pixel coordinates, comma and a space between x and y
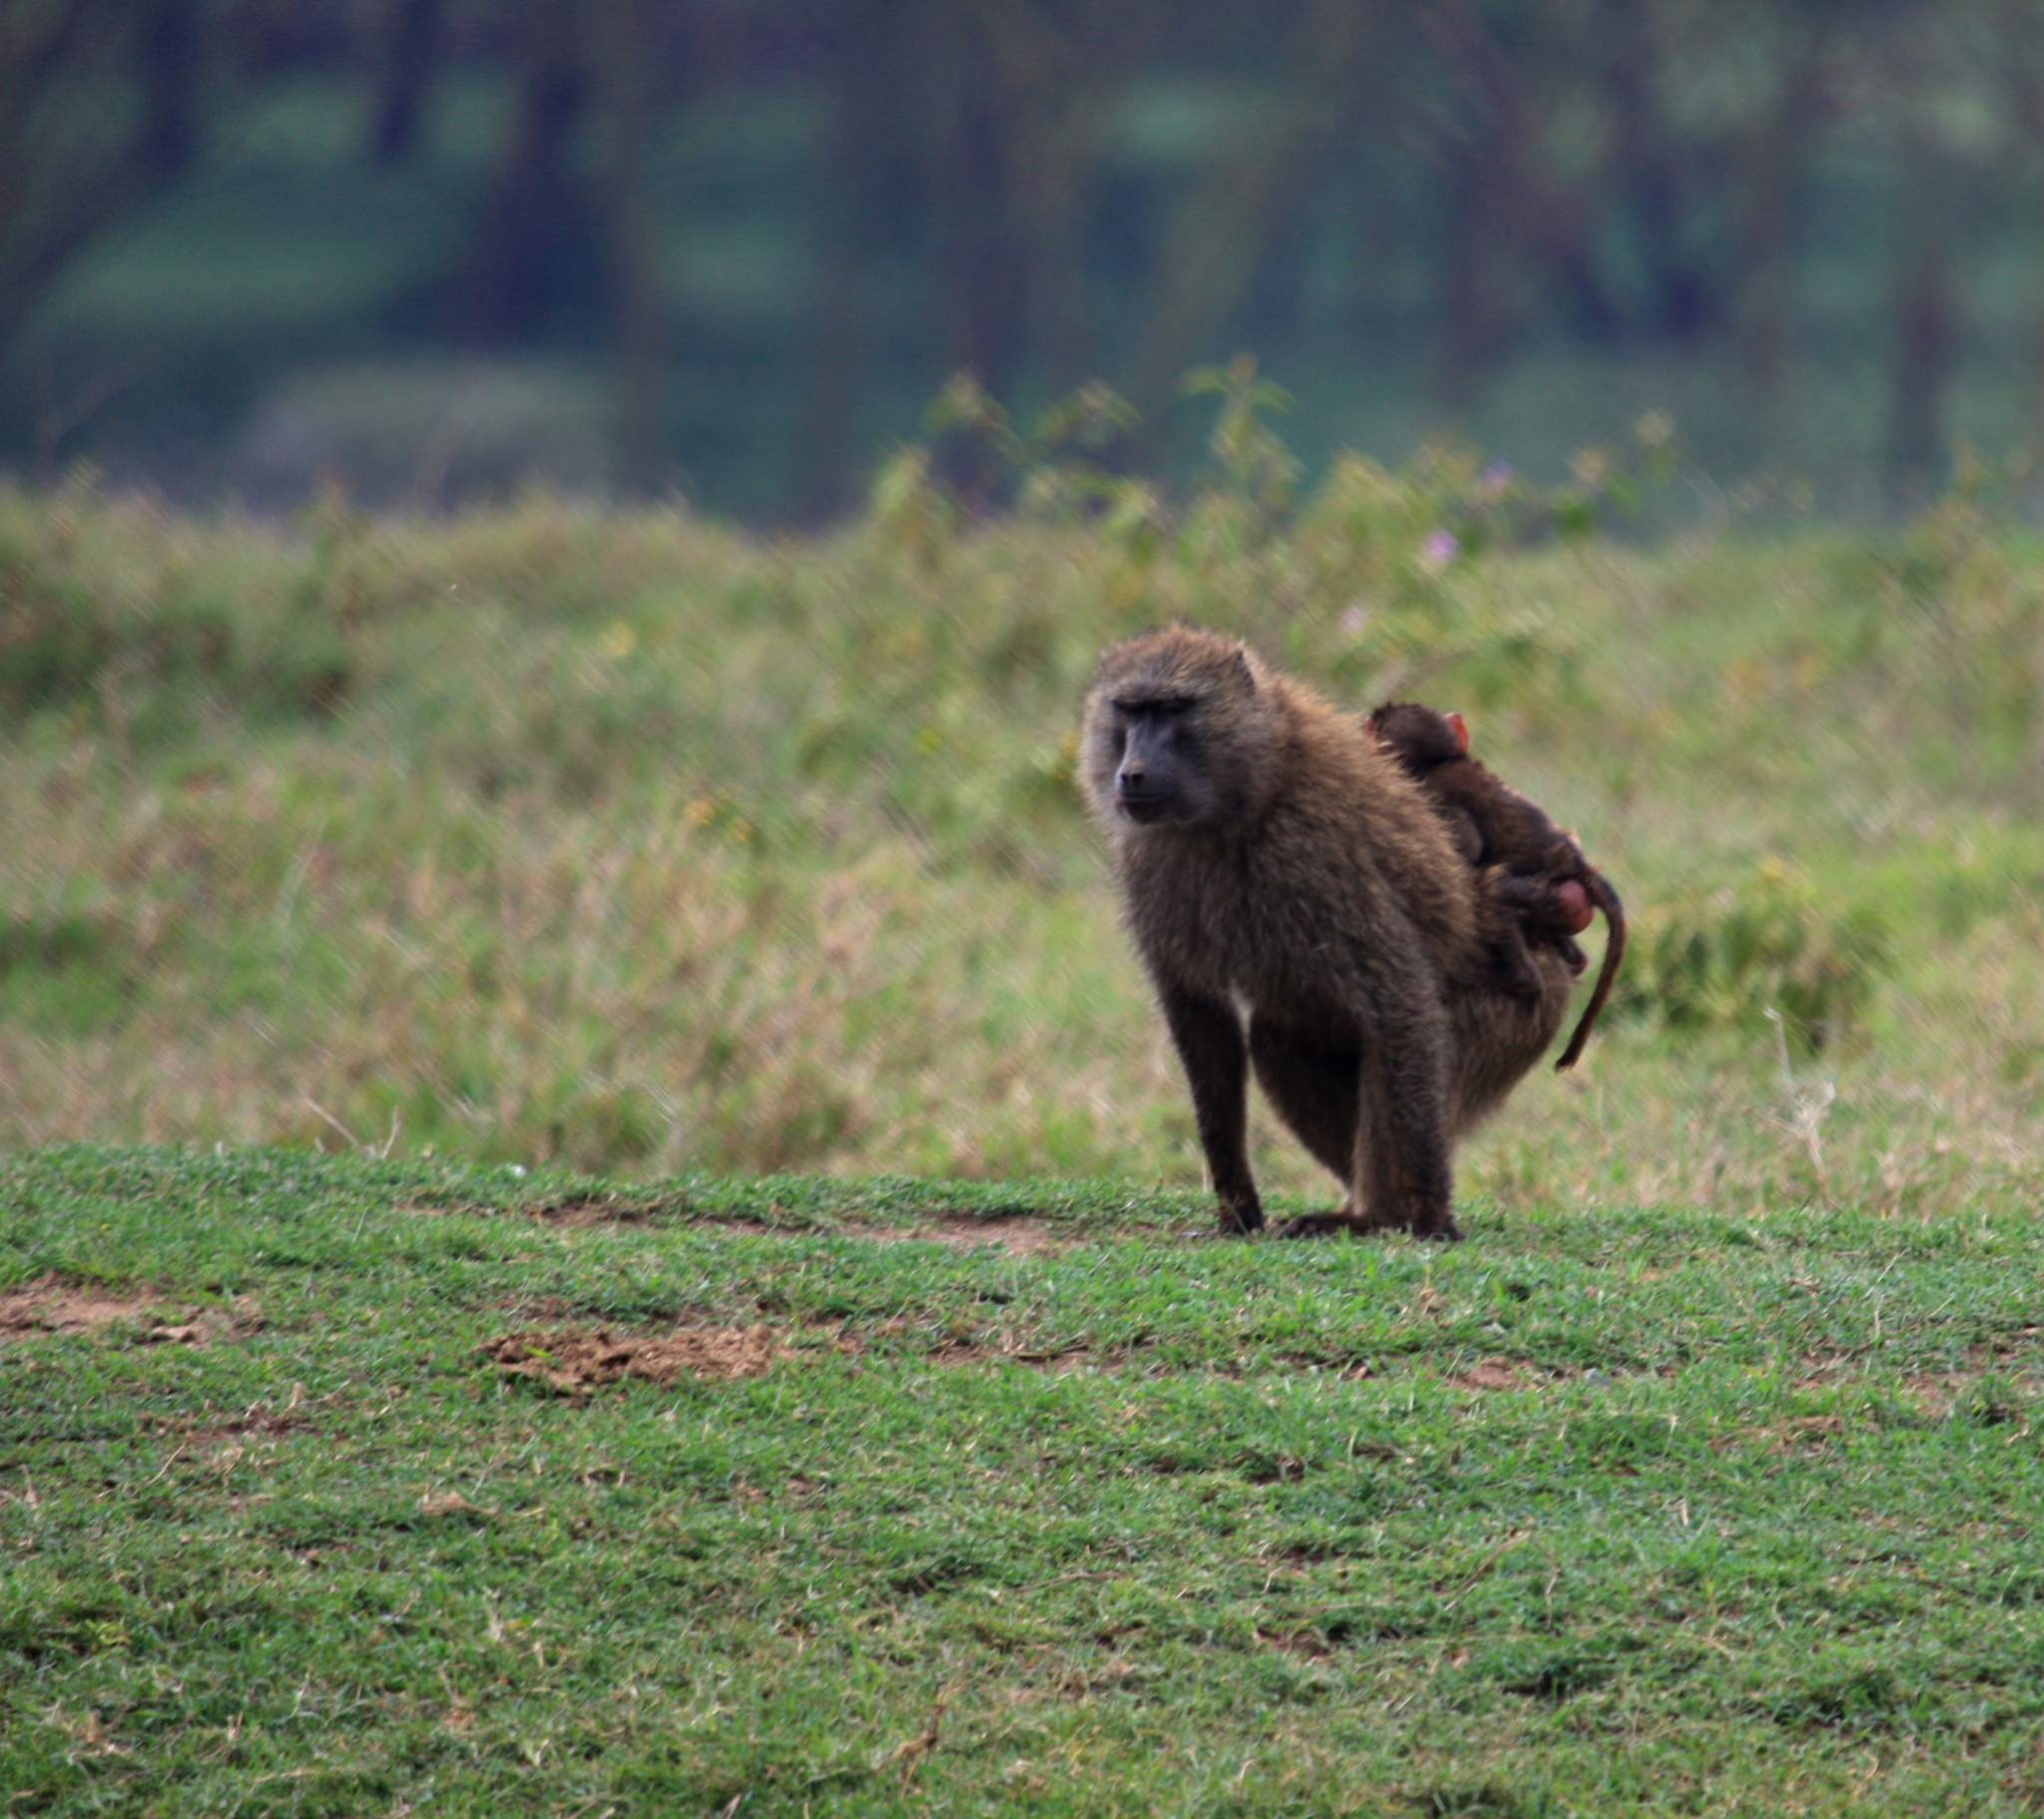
56, 195
988, 272
848, 211
1546, 222
1650, 174
168, 51
532, 213
1926, 313
1475, 318
2023, 70
413, 41
619, 61
1221, 232
1776, 154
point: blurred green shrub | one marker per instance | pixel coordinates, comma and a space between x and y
144, 625
1771, 942
1370, 583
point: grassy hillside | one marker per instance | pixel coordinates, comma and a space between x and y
636, 843
320, 1494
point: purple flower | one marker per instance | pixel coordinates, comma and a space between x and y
1439, 549
1496, 476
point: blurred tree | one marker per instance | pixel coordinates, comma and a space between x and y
2016, 35
1653, 171
1512, 212
534, 225
1794, 40
169, 58
96, 110
1037, 192
623, 77
411, 41
1219, 231
859, 192
985, 273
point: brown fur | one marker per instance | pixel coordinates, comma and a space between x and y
1302, 910
1527, 861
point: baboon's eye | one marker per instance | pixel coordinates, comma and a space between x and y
1170, 707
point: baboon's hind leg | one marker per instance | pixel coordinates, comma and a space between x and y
1314, 1088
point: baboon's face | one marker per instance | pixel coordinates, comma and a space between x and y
1157, 774
1175, 731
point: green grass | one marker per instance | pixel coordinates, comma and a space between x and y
1132, 1520
748, 876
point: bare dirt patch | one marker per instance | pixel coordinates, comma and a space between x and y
575, 1361
578, 1212
50, 1304
1307, 1643
583, 1212
1807, 1431
1060, 1362
1936, 1394
1018, 1233
1496, 1374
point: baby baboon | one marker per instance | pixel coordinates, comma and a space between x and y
1301, 909
1536, 874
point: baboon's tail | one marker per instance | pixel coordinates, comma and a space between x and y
1606, 899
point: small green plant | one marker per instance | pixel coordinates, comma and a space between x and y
1256, 468
1766, 944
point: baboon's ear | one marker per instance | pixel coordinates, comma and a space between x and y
1248, 669
1461, 727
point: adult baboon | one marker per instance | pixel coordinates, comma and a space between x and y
1535, 881
1303, 910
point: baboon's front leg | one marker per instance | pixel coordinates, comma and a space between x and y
1209, 1046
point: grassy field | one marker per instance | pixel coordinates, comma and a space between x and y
634, 844
677, 1388
1033, 1498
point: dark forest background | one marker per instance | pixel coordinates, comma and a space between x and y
436, 247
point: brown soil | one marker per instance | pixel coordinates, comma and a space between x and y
577, 1361
1494, 1374
50, 1304
1058, 1363
1307, 1642
1018, 1233
577, 1213
587, 1211
1933, 1392
1809, 1430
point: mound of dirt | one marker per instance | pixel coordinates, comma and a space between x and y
50, 1304
577, 1361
